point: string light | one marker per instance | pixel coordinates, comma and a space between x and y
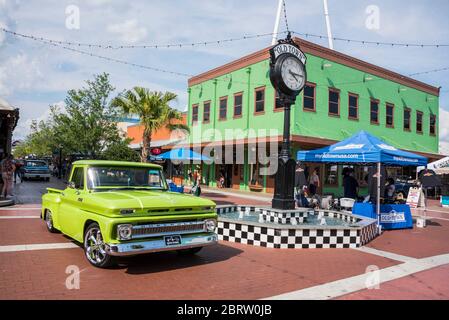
222, 41
145, 46
378, 43
61, 45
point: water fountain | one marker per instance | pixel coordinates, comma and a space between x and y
299, 228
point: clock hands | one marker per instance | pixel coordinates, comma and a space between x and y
294, 74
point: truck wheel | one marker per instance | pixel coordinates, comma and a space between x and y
94, 247
190, 251
49, 222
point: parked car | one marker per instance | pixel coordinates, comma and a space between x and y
124, 208
36, 169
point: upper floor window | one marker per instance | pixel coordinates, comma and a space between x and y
223, 108
194, 113
277, 101
407, 119
374, 111
433, 123
238, 105
259, 100
389, 115
309, 97
206, 112
419, 116
353, 106
334, 102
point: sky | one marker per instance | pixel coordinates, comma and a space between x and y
34, 75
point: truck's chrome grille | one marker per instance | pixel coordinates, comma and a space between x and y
154, 230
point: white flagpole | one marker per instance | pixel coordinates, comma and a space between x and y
328, 26
276, 23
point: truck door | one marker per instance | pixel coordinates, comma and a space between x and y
70, 211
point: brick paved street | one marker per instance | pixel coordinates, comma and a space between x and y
226, 271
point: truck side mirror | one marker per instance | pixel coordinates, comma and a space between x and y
71, 185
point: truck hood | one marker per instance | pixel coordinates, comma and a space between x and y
148, 202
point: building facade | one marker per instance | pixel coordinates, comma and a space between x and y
343, 95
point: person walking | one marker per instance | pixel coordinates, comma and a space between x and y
8, 168
18, 172
314, 182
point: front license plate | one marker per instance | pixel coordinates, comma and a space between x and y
172, 240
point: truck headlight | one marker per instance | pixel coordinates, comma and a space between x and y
210, 225
125, 231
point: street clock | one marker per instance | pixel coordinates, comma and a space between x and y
288, 77
287, 68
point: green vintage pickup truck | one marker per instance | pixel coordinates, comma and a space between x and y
124, 208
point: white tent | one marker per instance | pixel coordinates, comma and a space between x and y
442, 163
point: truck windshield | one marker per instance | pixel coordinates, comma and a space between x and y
125, 177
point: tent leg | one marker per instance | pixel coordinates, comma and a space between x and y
379, 230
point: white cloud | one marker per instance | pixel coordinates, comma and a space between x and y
24, 124
19, 72
128, 31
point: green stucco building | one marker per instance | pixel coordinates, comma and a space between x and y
343, 95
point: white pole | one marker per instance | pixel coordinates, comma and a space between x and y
328, 26
276, 23
378, 197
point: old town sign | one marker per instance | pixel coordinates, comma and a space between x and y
287, 68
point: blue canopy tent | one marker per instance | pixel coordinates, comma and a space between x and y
363, 148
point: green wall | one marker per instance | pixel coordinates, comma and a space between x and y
319, 124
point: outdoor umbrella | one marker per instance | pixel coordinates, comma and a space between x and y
182, 154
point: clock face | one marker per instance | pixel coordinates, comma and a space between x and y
293, 73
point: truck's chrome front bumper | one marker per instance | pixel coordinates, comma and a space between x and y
187, 242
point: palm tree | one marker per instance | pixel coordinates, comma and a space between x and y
153, 110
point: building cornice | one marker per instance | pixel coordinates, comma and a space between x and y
322, 52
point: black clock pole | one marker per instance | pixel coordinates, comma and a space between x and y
285, 176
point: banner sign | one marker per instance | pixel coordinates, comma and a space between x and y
392, 216
415, 198
288, 48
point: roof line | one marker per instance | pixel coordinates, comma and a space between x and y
322, 52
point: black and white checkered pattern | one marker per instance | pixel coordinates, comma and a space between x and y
283, 237
283, 216
368, 233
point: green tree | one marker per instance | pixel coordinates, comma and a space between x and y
153, 110
120, 151
87, 124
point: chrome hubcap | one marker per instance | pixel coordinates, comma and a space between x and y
49, 220
95, 248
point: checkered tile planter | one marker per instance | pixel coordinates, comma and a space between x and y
284, 217
295, 237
